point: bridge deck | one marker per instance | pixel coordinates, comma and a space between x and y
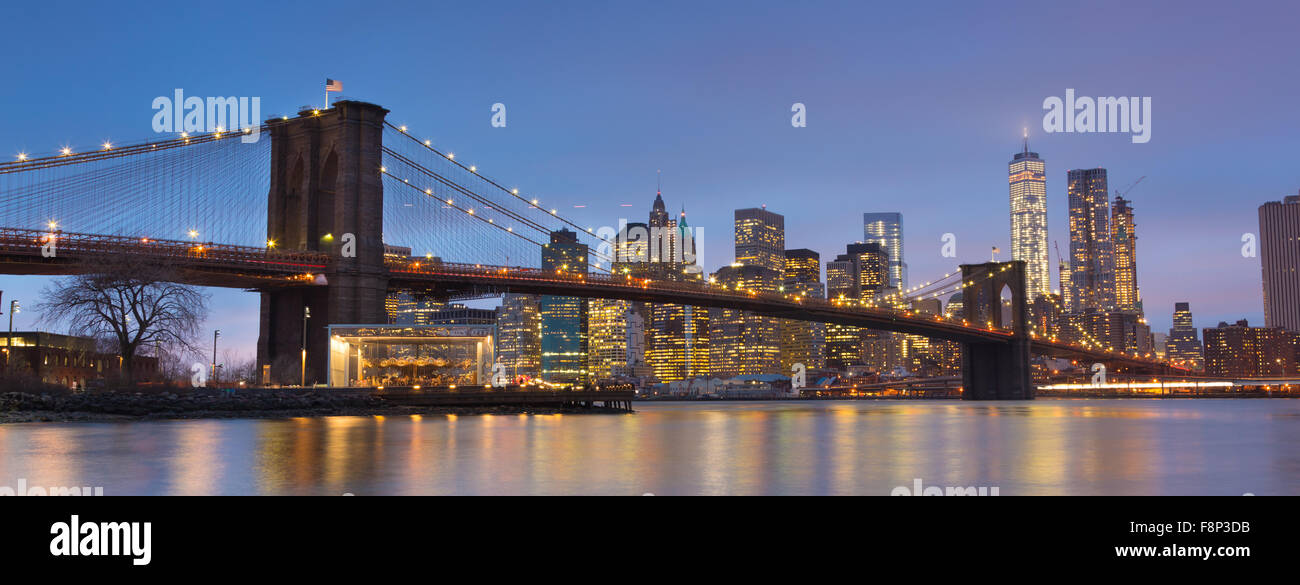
210, 264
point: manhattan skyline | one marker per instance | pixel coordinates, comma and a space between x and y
594, 129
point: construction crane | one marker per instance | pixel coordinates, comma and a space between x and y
1120, 194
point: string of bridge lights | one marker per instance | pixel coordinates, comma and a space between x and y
65, 155
535, 203
469, 212
482, 200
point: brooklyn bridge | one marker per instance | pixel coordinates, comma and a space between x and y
356, 208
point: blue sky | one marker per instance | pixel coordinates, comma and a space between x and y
912, 107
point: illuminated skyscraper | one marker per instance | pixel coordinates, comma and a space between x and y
803, 272
760, 238
677, 336
519, 330
886, 229
405, 308
803, 342
1124, 235
607, 337
853, 277
1092, 253
740, 342
679, 342
564, 319
1028, 183
1182, 343
1279, 258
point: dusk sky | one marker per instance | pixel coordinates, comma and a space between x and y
904, 113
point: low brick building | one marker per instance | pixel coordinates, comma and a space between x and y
66, 360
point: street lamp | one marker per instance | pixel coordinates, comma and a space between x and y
306, 314
9, 342
215, 335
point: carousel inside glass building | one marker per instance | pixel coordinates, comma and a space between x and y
411, 355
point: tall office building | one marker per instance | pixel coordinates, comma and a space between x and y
803, 342
760, 238
886, 229
1092, 253
925, 356
519, 331
1279, 256
679, 342
608, 337
632, 258
853, 277
1122, 331
740, 342
1123, 234
1067, 286
1182, 343
564, 319
677, 336
1027, 176
405, 308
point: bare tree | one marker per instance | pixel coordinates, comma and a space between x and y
132, 301
237, 367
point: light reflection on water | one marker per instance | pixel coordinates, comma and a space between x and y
1225, 447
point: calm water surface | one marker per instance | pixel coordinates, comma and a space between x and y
1226, 447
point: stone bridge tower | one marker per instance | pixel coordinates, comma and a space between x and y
326, 196
996, 370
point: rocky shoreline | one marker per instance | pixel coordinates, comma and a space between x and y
19, 407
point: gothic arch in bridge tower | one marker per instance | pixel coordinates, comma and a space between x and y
1006, 296
325, 186
996, 370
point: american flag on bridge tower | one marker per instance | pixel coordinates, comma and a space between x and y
331, 85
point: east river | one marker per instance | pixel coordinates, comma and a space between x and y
1154, 447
